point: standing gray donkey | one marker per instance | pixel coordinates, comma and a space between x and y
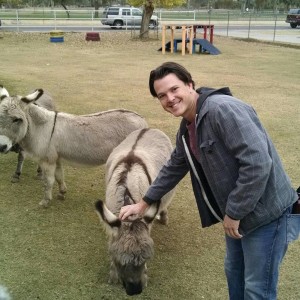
49, 137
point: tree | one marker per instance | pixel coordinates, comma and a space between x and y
96, 5
148, 8
290, 3
12, 3
64, 4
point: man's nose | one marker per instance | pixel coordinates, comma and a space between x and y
170, 97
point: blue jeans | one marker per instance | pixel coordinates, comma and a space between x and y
252, 263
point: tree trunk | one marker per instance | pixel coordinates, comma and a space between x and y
147, 14
96, 6
66, 9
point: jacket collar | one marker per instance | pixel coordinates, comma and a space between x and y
202, 109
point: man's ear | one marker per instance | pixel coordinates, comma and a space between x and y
191, 85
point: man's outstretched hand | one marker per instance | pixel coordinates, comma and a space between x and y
133, 209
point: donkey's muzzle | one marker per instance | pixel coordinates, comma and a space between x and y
3, 148
133, 288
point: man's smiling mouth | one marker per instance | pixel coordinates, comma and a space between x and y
174, 104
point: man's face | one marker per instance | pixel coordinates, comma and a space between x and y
174, 95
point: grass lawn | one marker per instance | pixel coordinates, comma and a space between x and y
61, 252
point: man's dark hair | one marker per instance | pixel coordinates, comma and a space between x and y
166, 69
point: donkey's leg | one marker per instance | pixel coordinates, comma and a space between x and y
145, 276
113, 274
48, 172
16, 176
59, 177
39, 172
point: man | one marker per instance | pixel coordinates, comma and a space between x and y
237, 178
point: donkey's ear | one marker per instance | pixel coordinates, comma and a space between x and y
3, 92
151, 212
33, 96
106, 215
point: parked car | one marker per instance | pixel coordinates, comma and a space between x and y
117, 17
293, 17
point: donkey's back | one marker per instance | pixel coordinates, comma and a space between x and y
133, 165
91, 138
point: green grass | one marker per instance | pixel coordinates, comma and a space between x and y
61, 252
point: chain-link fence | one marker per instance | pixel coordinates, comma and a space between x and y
270, 26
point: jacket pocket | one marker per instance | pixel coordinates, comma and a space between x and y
214, 159
207, 146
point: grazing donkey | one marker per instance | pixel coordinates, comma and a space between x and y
48, 136
47, 102
130, 169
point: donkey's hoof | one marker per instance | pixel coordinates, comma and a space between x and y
39, 176
15, 179
44, 203
61, 196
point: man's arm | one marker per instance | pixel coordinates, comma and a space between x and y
168, 177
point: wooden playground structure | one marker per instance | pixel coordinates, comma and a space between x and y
188, 38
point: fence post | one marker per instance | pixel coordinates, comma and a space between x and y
228, 22
249, 26
54, 11
275, 27
93, 12
17, 16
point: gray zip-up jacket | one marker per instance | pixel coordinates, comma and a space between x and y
240, 164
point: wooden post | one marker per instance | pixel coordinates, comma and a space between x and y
205, 32
211, 34
172, 38
163, 39
191, 35
183, 34
195, 31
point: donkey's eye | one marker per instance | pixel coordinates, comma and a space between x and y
17, 120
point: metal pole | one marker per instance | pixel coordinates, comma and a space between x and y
275, 27
227, 22
54, 19
17, 15
93, 19
249, 26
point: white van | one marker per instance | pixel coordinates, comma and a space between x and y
118, 17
